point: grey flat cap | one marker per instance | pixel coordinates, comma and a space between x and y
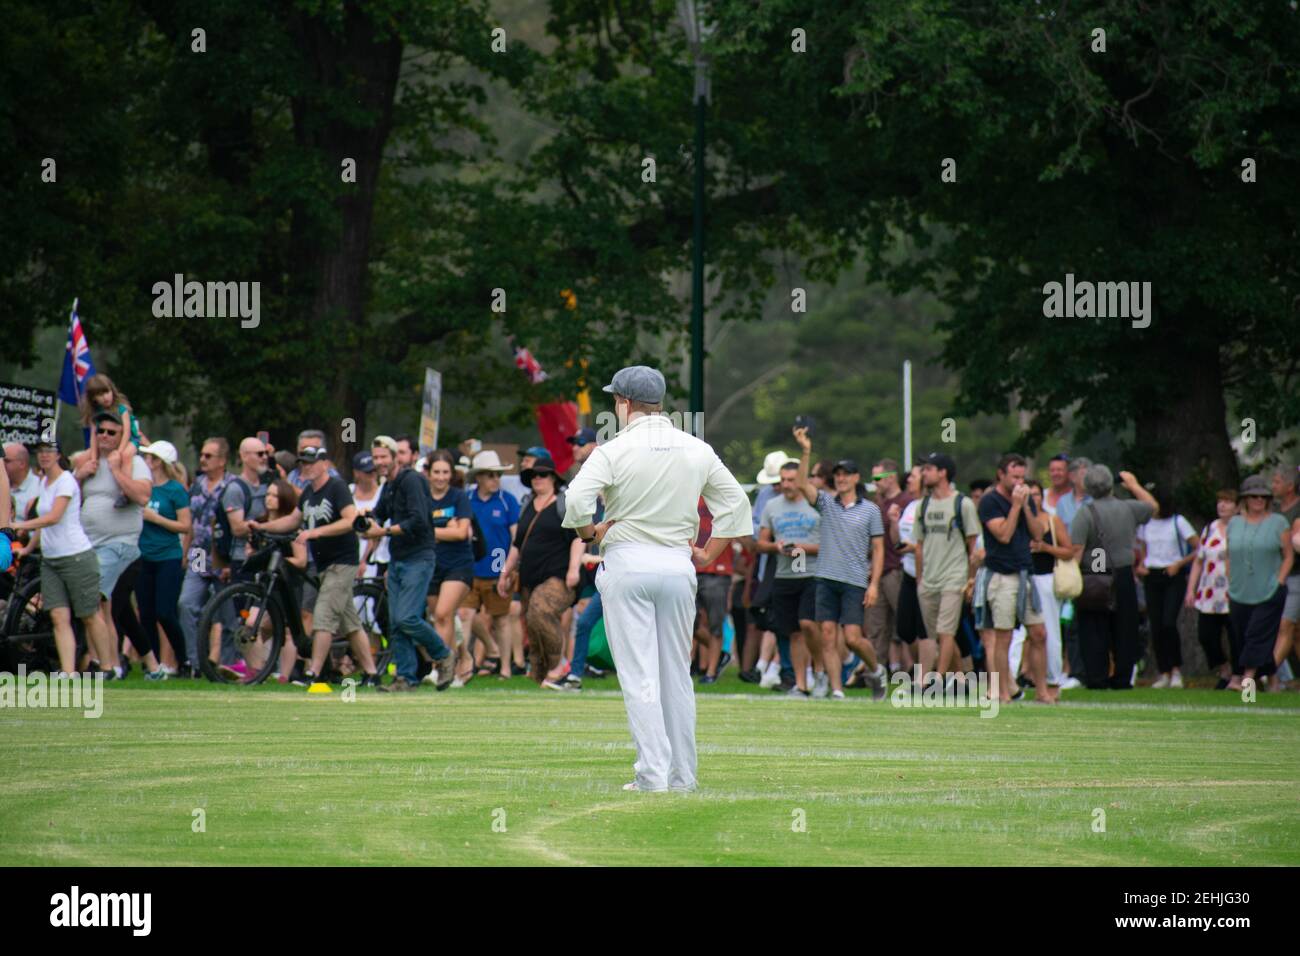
641, 383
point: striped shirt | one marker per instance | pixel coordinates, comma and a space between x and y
846, 533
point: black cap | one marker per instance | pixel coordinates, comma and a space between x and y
847, 464
583, 436
542, 466
310, 455
940, 460
363, 461
107, 416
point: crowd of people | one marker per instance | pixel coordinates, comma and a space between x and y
844, 582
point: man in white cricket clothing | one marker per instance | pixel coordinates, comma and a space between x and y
651, 476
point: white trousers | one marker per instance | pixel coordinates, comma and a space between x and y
648, 594
1051, 623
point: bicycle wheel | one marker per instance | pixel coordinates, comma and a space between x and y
373, 608
242, 616
28, 636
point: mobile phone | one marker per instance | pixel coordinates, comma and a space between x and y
264, 437
806, 421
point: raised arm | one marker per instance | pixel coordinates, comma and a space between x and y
805, 486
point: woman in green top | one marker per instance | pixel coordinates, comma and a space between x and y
162, 566
1260, 556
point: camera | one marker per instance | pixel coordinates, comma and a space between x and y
806, 421
361, 523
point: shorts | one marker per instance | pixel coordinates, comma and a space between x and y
941, 611
309, 592
71, 581
839, 602
793, 600
483, 593
711, 593
336, 612
1004, 589
909, 625
114, 558
464, 574
1291, 610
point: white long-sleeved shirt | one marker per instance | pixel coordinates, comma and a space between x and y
651, 475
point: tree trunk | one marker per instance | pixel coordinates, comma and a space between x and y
1181, 439
355, 72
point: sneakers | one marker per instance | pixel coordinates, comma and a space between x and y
752, 676
771, 678
1071, 683
1176, 680
723, 661
236, 671
879, 683
369, 680
1162, 682
168, 670
571, 683
303, 678
709, 679
821, 686
798, 694
837, 695
785, 684
594, 672
159, 674
446, 670
399, 685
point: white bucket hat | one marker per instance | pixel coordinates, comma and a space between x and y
488, 461
771, 472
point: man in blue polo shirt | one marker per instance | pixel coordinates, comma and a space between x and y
497, 514
850, 560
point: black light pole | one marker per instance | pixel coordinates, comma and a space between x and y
695, 35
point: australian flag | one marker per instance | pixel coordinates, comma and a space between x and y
77, 365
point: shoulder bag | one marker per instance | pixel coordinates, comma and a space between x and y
1098, 592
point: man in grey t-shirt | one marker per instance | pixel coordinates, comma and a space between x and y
245, 504
115, 487
788, 529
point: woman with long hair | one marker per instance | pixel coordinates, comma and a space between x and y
1168, 545
453, 572
158, 586
101, 395
548, 556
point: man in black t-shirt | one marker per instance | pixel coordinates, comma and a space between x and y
327, 511
1010, 520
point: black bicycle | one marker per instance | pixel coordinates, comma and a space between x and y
26, 628
258, 613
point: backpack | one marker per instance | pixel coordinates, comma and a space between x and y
956, 521
223, 536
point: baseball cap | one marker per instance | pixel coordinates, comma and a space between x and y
309, 455
163, 450
641, 383
537, 451
48, 443
941, 461
107, 415
363, 461
847, 464
583, 436
385, 441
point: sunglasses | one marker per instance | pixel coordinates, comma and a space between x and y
108, 431
884, 474
260, 454
208, 454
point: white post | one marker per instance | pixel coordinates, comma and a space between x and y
907, 419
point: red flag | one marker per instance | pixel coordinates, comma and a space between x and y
557, 421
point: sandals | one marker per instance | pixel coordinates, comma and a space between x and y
490, 665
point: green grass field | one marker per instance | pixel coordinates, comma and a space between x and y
1184, 777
